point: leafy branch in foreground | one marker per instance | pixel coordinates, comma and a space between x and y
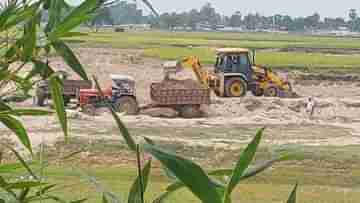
28, 44
204, 185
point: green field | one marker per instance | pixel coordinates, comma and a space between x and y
272, 47
325, 175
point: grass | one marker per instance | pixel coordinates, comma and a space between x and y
275, 59
174, 45
313, 169
215, 39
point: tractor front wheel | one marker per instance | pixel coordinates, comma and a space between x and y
127, 105
235, 87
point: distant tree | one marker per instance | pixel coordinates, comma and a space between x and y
208, 15
312, 22
286, 22
298, 24
353, 17
193, 18
353, 14
235, 19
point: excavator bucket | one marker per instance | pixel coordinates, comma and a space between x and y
287, 92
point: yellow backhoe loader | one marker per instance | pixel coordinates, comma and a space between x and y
235, 73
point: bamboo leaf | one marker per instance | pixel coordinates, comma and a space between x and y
69, 57
24, 184
30, 35
188, 173
123, 130
104, 199
135, 192
16, 126
57, 97
55, 10
9, 168
292, 197
41, 68
243, 163
20, 15
26, 112
79, 201
23, 162
79, 15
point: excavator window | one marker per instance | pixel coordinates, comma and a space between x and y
233, 63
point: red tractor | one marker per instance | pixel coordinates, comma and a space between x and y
121, 95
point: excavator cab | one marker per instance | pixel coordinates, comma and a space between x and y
233, 68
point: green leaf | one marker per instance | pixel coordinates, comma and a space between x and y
9, 168
74, 34
79, 201
292, 197
4, 107
69, 57
41, 68
135, 192
250, 172
104, 199
243, 163
26, 112
57, 97
79, 15
72, 154
6, 13
14, 125
21, 14
188, 173
30, 35
55, 10
23, 162
25, 184
123, 130
45, 189
63, 29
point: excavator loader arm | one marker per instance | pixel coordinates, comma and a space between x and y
193, 62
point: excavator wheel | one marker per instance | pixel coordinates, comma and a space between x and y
235, 87
258, 92
127, 105
190, 111
271, 92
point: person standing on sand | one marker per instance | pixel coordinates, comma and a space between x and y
310, 107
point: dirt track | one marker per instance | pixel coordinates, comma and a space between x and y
336, 120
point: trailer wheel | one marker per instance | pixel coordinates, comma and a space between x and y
190, 111
40, 97
127, 105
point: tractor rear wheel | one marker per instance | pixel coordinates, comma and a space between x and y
190, 111
235, 87
127, 105
271, 92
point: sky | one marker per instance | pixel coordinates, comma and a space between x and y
328, 8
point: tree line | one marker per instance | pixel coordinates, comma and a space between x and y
122, 12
